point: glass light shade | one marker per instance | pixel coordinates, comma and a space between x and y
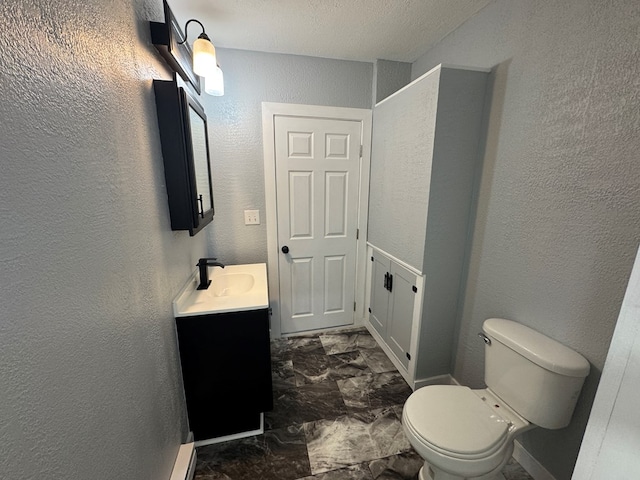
204, 57
214, 83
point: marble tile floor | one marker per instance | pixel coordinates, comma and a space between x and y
337, 409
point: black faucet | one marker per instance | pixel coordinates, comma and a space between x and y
203, 263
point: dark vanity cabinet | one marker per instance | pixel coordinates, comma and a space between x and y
185, 151
226, 369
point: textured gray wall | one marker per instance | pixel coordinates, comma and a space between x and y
557, 219
90, 382
389, 77
235, 132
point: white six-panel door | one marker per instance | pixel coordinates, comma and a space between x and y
317, 162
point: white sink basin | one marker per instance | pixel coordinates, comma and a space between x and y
233, 289
230, 284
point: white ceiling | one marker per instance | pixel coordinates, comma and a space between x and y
363, 30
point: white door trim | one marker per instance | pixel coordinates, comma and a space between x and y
362, 115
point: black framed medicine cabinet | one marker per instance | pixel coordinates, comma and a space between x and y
185, 150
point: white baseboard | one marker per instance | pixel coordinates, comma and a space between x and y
437, 380
446, 379
530, 464
235, 436
184, 468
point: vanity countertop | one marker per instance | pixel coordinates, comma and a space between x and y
234, 288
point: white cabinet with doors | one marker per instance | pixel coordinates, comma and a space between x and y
426, 146
393, 302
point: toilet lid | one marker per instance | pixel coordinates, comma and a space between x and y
455, 419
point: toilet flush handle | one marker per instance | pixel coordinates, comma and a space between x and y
486, 339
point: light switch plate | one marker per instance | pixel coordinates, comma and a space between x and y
252, 217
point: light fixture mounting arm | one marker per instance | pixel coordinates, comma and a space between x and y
202, 35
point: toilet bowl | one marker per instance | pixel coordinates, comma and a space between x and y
462, 433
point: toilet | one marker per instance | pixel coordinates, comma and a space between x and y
532, 381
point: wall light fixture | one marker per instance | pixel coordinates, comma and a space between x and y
204, 61
214, 83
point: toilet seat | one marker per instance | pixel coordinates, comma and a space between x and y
455, 422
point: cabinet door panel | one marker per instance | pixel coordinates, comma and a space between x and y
226, 370
401, 312
379, 303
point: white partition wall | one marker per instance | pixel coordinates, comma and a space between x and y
424, 161
612, 440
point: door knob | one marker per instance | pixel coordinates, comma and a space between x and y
285, 249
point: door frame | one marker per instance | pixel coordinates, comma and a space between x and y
362, 115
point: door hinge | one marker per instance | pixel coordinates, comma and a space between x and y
369, 309
415, 289
357, 233
354, 306
360, 151
408, 356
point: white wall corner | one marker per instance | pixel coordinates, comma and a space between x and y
530, 464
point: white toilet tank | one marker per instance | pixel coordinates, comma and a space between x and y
538, 377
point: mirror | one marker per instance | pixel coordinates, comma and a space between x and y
199, 142
200, 160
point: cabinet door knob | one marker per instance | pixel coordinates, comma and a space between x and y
285, 249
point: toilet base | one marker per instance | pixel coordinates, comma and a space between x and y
428, 473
